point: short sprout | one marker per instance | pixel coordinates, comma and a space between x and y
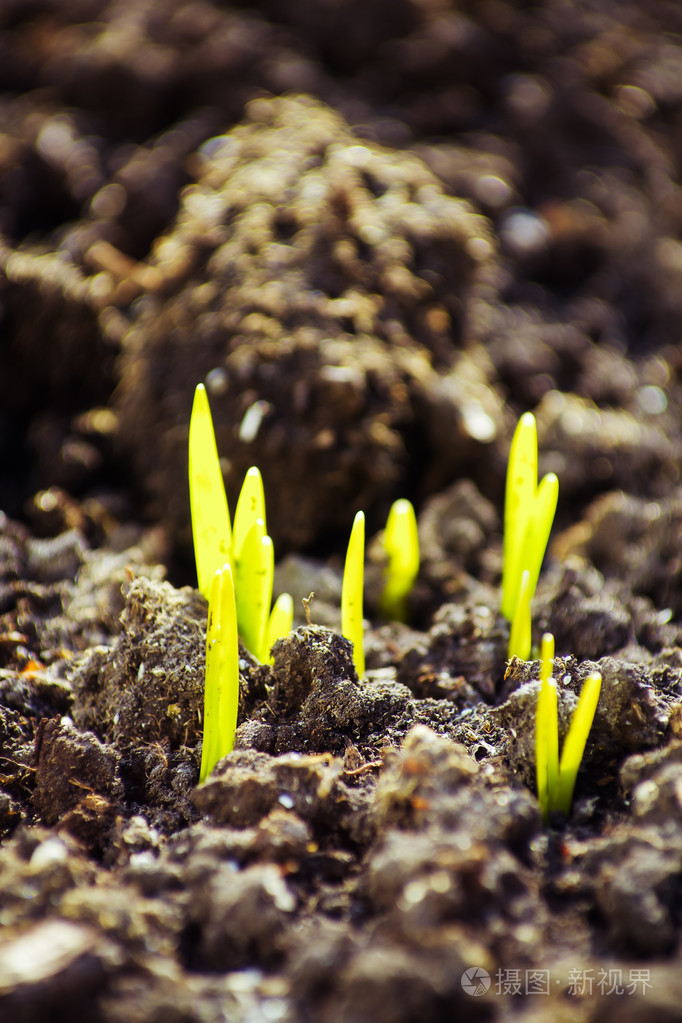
351, 592
221, 691
556, 777
528, 516
401, 544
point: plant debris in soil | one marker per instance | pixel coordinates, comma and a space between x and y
378, 233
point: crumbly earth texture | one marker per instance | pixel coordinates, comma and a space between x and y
378, 232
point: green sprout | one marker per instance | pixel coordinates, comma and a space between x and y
575, 741
250, 508
528, 516
351, 592
401, 544
520, 633
208, 503
221, 691
247, 548
254, 569
547, 729
556, 777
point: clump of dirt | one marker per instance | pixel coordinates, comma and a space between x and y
301, 259
377, 235
151, 684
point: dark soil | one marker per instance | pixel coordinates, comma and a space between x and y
378, 232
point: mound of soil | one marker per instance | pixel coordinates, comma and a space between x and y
377, 233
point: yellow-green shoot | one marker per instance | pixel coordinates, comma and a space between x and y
250, 508
401, 544
547, 730
221, 691
520, 633
575, 741
208, 503
556, 777
247, 548
529, 510
351, 592
254, 568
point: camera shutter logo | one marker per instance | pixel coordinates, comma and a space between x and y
475, 981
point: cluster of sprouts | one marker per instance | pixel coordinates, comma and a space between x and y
528, 516
529, 510
400, 543
556, 776
235, 570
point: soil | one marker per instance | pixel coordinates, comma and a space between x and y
378, 232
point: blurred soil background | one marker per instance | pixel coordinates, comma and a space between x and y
378, 232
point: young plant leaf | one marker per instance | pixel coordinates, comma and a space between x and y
550, 727
250, 508
254, 573
539, 526
520, 633
221, 693
522, 476
208, 503
575, 741
556, 777
401, 544
351, 592
546, 657
544, 728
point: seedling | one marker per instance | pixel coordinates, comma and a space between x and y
208, 503
528, 516
520, 634
575, 741
250, 509
556, 777
401, 544
254, 568
221, 691
547, 730
351, 592
247, 549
